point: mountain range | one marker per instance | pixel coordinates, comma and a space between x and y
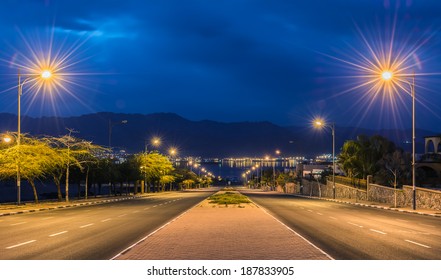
205, 138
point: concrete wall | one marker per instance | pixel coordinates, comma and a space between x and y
425, 198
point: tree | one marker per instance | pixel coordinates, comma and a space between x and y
369, 156
166, 179
349, 159
33, 158
188, 183
153, 166
72, 152
396, 168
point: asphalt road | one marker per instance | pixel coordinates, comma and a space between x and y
95, 232
350, 232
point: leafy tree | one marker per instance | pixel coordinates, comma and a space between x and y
371, 156
153, 166
396, 168
72, 152
32, 157
166, 179
188, 183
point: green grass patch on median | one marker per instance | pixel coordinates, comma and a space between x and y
228, 198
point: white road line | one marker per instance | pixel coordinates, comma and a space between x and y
106, 220
334, 218
154, 206
419, 244
122, 215
147, 208
88, 225
135, 212
18, 224
355, 225
318, 213
58, 233
377, 231
310, 211
20, 244
47, 218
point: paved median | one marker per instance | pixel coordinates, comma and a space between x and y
211, 231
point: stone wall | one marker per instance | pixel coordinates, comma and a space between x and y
425, 198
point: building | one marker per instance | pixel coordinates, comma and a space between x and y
428, 167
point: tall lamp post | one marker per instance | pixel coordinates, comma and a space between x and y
274, 169
388, 76
320, 124
44, 75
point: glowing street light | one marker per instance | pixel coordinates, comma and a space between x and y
155, 141
43, 76
387, 76
319, 123
7, 139
274, 169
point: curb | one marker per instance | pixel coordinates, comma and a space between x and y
69, 205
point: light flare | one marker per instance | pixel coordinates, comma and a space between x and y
53, 72
380, 72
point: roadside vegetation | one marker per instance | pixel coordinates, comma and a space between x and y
68, 161
228, 197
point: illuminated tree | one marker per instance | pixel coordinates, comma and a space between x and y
153, 166
72, 152
34, 158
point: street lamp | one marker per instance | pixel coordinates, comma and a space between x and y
319, 123
274, 169
388, 76
173, 152
155, 141
44, 75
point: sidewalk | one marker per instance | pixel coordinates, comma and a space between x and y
213, 232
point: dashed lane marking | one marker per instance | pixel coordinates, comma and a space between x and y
419, 244
355, 224
377, 231
16, 224
58, 233
106, 220
88, 225
20, 244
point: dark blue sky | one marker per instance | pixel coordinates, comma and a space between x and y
229, 60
